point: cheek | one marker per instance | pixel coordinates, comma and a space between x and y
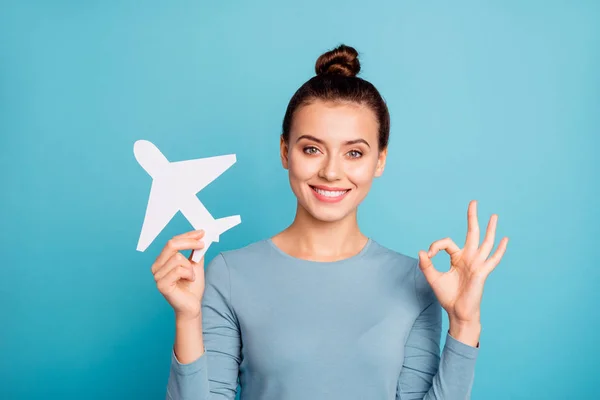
361, 173
302, 168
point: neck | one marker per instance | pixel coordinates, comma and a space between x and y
310, 238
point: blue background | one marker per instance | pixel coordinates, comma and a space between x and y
497, 102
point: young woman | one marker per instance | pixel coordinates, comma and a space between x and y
320, 311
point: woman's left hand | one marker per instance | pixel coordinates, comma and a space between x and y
460, 289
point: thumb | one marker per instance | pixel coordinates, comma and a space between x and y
426, 265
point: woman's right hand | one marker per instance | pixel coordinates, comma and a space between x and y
180, 280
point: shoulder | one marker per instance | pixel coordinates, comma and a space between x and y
392, 257
218, 271
245, 254
408, 267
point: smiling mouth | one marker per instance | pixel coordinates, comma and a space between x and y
329, 194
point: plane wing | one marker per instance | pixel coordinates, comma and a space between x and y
194, 173
160, 210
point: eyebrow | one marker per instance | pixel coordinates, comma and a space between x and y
355, 141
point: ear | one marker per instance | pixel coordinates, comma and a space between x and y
283, 152
381, 162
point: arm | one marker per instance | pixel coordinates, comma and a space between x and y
425, 375
213, 374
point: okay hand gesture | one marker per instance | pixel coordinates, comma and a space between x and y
460, 289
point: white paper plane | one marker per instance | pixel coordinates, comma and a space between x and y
174, 188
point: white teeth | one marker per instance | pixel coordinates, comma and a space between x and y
329, 193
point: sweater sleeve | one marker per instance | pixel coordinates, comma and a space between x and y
213, 375
425, 375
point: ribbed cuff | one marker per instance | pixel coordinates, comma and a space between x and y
193, 367
188, 381
460, 348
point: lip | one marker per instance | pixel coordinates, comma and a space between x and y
326, 199
332, 189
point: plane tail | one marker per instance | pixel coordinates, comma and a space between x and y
217, 227
223, 224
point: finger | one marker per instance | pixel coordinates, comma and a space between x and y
490, 235
197, 234
167, 284
172, 247
426, 265
176, 260
472, 241
446, 244
494, 260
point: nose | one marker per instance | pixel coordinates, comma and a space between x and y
331, 169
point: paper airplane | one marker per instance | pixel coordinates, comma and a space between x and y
174, 188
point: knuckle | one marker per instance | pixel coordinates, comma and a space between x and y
185, 262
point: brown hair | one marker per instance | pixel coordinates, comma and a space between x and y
336, 80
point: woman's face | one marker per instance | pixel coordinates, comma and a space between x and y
332, 157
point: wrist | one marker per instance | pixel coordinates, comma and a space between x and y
187, 321
466, 332
189, 343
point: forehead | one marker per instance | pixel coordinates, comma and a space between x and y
335, 121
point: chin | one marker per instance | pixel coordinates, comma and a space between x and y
325, 215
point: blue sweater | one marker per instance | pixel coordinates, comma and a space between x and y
366, 327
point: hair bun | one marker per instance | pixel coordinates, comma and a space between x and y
343, 60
